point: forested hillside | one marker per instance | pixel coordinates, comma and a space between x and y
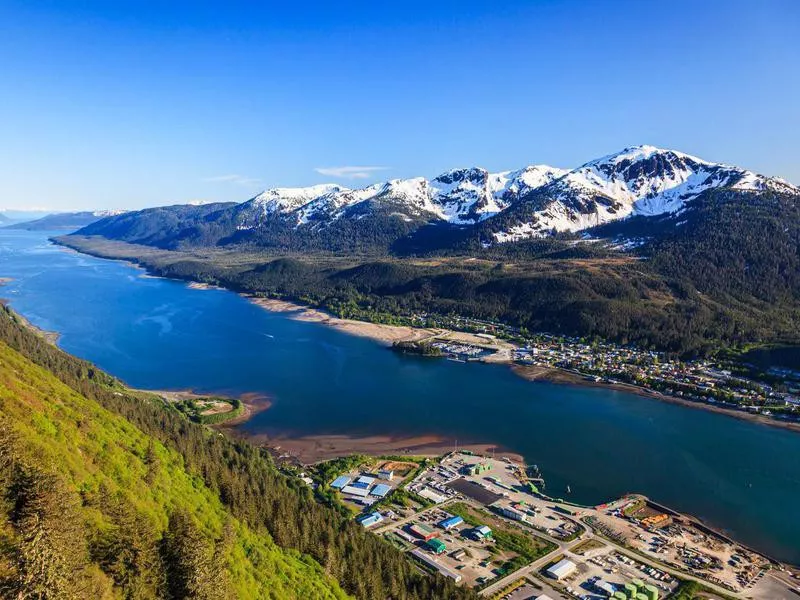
106, 494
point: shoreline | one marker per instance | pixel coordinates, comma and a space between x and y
388, 334
252, 403
51, 337
308, 450
379, 332
562, 377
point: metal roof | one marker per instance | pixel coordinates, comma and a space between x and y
340, 482
354, 491
562, 568
380, 490
451, 522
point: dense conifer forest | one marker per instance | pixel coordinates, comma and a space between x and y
108, 494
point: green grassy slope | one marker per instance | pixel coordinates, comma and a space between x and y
101, 484
111, 474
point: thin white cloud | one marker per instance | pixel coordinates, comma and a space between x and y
235, 179
350, 172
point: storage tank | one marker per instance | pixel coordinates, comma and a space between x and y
651, 592
639, 584
630, 591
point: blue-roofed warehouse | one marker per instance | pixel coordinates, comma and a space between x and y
380, 490
340, 482
450, 522
370, 519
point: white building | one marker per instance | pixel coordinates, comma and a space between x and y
562, 569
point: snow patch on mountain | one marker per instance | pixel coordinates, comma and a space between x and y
641, 180
534, 201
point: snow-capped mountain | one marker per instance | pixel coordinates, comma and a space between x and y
469, 206
642, 180
460, 196
530, 202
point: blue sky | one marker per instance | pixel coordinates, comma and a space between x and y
133, 103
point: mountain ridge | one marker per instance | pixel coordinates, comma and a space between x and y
536, 201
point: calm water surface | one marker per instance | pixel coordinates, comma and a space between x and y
159, 334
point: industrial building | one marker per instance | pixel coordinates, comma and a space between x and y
482, 532
562, 569
431, 495
352, 490
423, 532
510, 512
436, 546
604, 587
340, 482
380, 490
365, 480
370, 519
477, 469
388, 475
459, 554
429, 560
450, 522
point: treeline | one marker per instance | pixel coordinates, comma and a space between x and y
247, 484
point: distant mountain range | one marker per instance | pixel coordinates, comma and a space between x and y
463, 204
66, 220
646, 245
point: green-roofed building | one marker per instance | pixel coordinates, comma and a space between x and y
436, 546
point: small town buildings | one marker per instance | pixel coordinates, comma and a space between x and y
562, 569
